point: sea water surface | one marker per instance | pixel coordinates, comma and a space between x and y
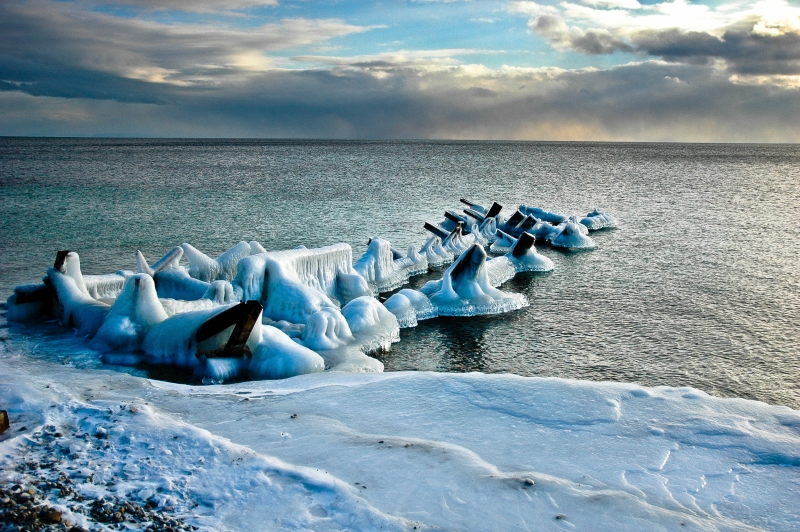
699, 286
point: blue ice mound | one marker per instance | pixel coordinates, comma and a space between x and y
465, 290
542, 214
276, 356
294, 284
503, 243
373, 326
596, 220
544, 231
457, 242
572, 237
168, 262
74, 307
522, 257
410, 307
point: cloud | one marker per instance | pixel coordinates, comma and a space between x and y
193, 6
59, 36
68, 71
743, 50
555, 30
386, 63
751, 42
639, 101
625, 4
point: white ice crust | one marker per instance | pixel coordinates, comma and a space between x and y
335, 451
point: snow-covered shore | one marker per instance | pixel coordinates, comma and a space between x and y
395, 451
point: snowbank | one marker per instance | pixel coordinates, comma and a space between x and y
394, 451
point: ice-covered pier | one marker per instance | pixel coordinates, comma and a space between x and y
258, 314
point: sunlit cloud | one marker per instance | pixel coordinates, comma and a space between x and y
595, 70
135, 48
752, 41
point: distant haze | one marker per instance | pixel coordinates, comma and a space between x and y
558, 70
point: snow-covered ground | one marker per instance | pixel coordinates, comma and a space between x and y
395, 451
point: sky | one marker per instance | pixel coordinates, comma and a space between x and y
605, 70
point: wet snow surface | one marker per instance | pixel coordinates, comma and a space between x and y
394, 451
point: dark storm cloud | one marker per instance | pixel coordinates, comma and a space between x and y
68, 72
645, 101
744, 51
56, 80
649, 101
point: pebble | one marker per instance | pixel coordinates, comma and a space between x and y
26, 508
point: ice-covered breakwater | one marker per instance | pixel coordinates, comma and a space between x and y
258, 314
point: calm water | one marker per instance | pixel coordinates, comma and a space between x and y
698, 286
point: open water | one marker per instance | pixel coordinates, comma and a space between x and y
699, 286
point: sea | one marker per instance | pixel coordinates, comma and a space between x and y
698, 286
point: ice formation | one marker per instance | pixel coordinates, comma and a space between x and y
457, 242
409, 307
216, 343
276, 357
203, 267
326, 329
597, 220
544, 231
502, 243
74, 307
508, 225
274, 314
525, 225
386, 269
454, 242
134, 313
542, 214
169, 261
374, 327
522, 257
577, 221
295, 283
571, 237
437, 256
465, 290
